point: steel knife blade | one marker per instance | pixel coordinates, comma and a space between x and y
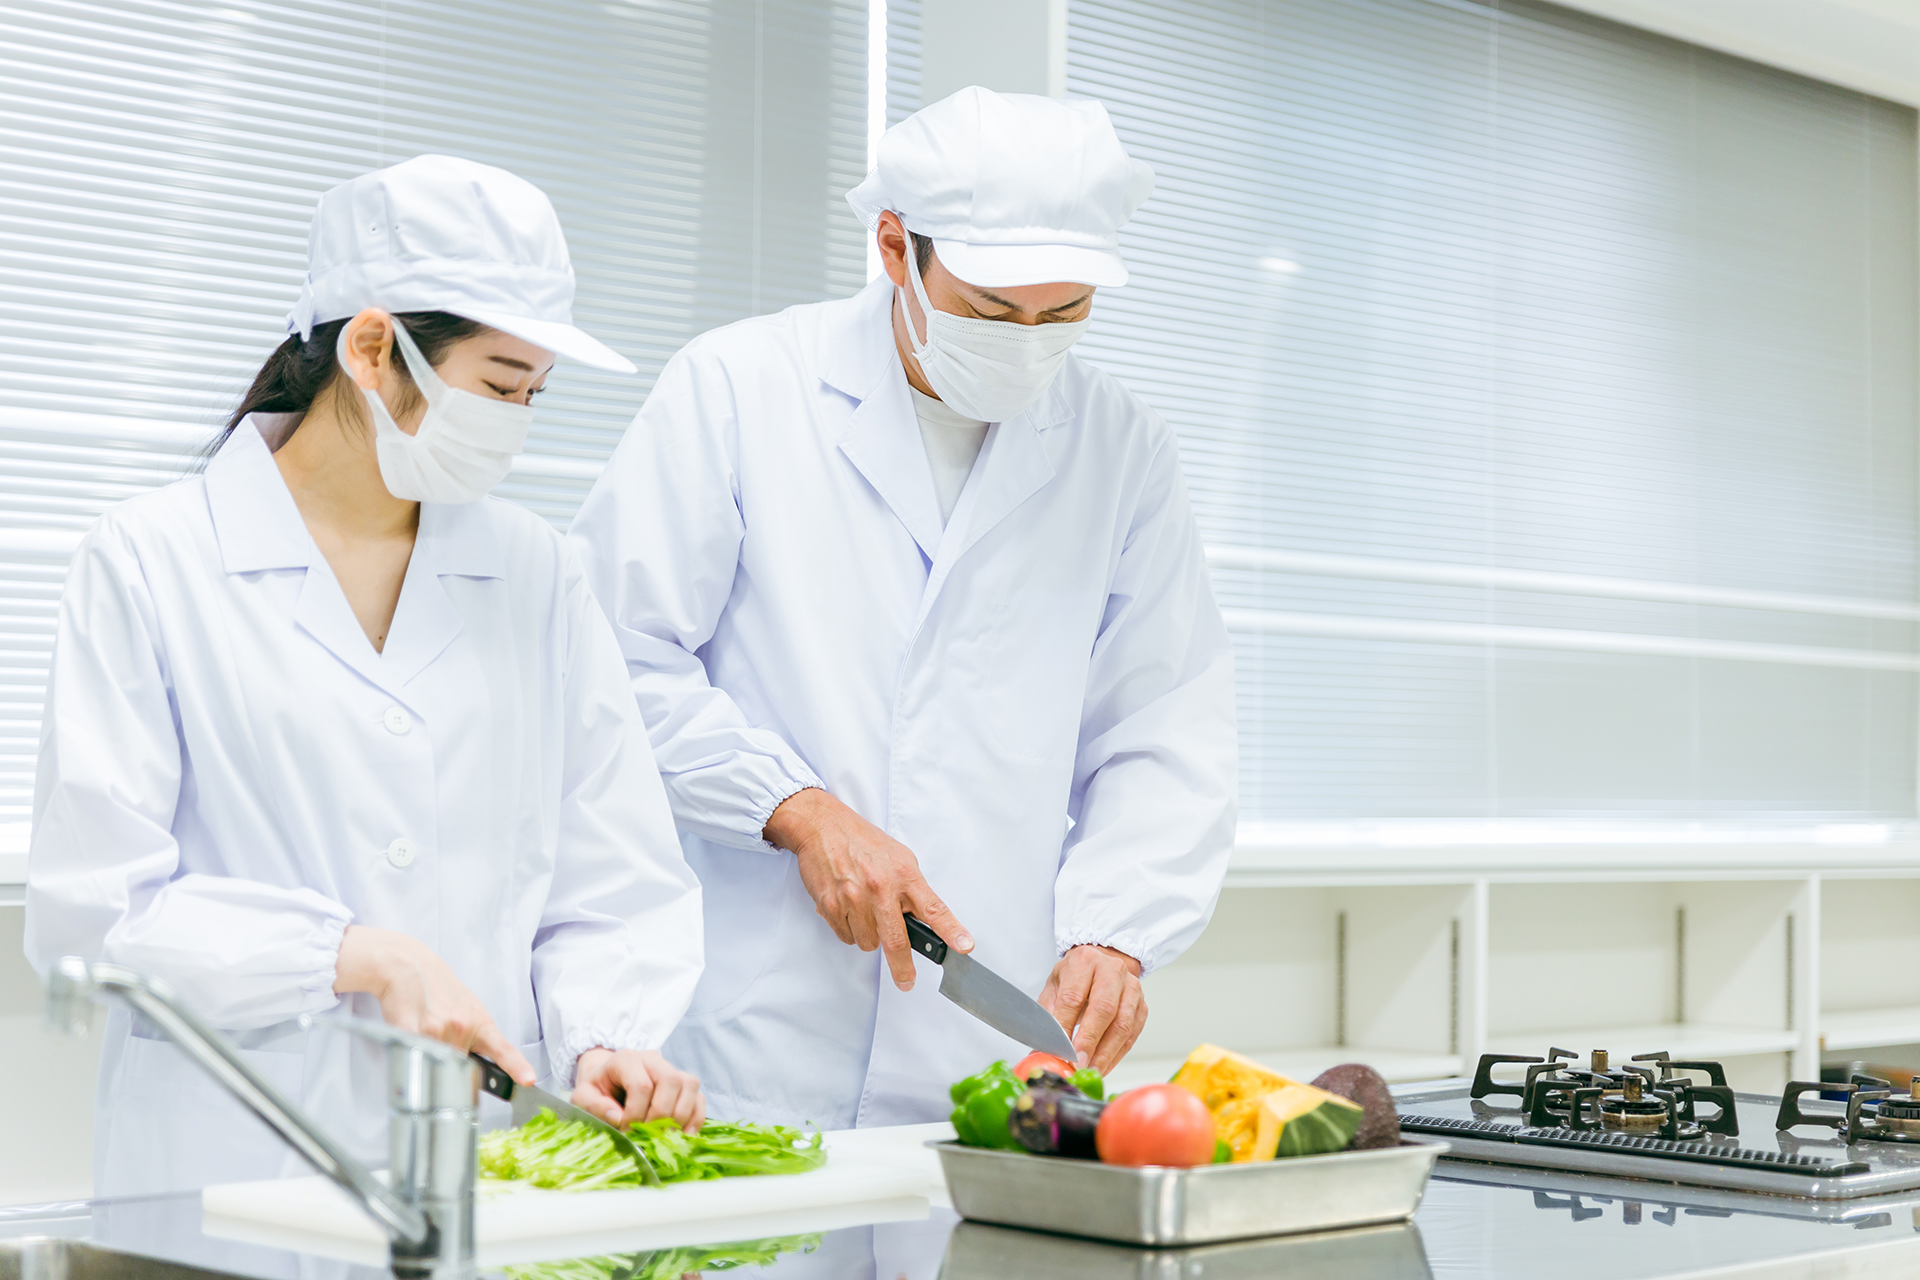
989, 997
527, 1102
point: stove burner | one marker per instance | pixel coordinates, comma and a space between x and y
1875, 1113
1634, 1112
1655, 1099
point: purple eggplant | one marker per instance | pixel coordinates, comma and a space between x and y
1056, 1120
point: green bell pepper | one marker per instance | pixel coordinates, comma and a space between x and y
981, 1105
1088, 1081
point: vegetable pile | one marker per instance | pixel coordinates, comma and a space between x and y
571, 1155
667, 1264
983, 1104
1219, 1108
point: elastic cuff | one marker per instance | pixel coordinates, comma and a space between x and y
326, 968
781, 794
1125, 943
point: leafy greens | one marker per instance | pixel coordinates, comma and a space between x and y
570, 1155
667, 1264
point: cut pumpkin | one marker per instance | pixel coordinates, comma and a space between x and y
1259, 1113
1301, 1120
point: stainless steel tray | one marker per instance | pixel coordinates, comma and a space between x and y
1384, 1251
1158, 1206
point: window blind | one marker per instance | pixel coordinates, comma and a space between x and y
159, 162
1546, 390
903, 59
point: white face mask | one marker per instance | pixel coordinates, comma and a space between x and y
465, 444
989, 370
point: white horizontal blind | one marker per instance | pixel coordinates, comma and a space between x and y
159, 160
903, 59
1547, 393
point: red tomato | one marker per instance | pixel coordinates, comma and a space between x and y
1037, 1061
1155, 1124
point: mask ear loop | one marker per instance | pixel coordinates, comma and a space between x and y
404, 350
407, 354
415, 362
920, 291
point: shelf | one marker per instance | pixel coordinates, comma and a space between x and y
1256, 865
1397, 1066
1869, 1028
1681, 1040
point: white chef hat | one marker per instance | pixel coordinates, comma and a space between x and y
436, 233
1013, 188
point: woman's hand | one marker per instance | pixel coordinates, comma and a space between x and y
418, 993
632, 1085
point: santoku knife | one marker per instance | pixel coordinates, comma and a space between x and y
989, 997
528, 1102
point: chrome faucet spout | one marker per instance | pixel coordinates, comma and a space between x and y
433, 1093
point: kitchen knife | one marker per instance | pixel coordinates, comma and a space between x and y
528, 1102
989, 997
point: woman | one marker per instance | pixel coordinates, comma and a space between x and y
326, 725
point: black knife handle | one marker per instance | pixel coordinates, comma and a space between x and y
492, 1079
925, 940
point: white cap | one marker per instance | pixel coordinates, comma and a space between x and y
1013, 188
436, 233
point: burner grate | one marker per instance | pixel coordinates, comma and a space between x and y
1634, 1144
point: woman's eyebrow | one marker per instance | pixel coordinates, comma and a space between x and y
511, 363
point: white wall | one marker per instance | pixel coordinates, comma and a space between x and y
1869, 45
1009, 46
46, 1087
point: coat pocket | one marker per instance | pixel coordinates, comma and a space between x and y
166, 1126
747, 898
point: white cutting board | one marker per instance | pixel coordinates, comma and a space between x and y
871, 1175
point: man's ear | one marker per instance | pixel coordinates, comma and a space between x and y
894, 244
368, 348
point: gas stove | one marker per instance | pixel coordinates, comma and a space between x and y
1671, 1120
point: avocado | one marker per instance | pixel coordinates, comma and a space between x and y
1357, 1082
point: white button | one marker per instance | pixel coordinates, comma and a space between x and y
400, 852
398, 721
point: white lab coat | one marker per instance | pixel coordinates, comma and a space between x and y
768, 544
230, 774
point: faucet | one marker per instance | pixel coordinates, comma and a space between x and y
426, 1204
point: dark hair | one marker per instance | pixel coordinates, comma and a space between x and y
922, 250
300, 371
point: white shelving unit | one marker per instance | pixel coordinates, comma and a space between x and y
1417, 960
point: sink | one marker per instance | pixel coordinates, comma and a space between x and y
60, 1258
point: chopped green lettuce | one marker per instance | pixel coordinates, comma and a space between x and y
570, 1155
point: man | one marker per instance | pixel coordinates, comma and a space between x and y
918, 619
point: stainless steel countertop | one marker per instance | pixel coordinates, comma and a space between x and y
1482, 1222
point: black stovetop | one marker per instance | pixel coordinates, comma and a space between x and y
1687, 1131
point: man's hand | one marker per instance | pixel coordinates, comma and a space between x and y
1095, 993
861, 879
634, 1085
418, 992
